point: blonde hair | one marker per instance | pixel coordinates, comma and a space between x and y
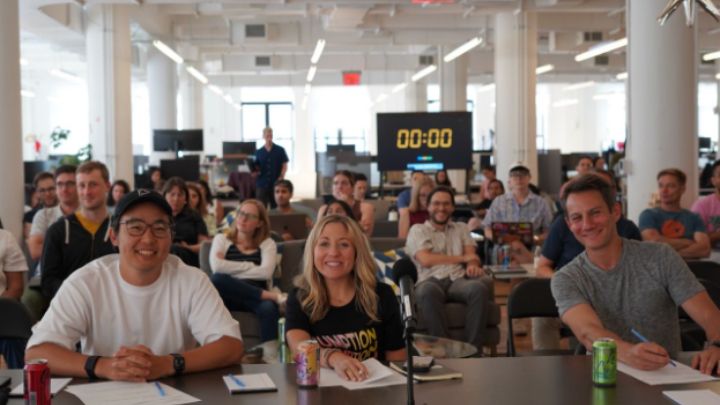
261, 233
415, 192
314, 296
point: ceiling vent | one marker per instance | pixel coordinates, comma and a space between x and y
592, 36
255, 31
263, 61
426, 60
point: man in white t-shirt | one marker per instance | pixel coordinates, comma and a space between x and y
140, 314
12, 267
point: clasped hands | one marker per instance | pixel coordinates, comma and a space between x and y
473, 268
137, 363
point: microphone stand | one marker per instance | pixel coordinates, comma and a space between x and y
409, 323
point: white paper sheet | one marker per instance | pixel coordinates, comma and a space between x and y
681, 374
379, 376
56, 385
128, 393
251, 382
693, 397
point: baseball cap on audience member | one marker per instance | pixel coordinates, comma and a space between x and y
138, 196
519, 167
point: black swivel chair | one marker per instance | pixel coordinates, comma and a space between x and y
15, 328
531, 298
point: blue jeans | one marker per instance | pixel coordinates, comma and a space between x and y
242, 295
13, 350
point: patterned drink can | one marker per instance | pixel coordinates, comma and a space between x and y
307, 364
506, 256
36, 389
604, 356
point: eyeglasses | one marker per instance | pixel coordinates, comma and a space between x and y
247, 215
63, 184
137, 227
46, 190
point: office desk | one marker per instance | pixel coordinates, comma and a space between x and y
498, 381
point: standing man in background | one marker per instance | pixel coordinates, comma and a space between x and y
271, 163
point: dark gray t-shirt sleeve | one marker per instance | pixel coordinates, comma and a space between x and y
566, 291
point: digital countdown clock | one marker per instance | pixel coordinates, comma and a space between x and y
431, 140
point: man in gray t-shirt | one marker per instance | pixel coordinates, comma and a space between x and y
617, 285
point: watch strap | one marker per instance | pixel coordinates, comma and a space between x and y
178, 363
90, 365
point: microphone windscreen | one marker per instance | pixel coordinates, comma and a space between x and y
404, 267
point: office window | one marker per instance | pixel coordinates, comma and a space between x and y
276, 115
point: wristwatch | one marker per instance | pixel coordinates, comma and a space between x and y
90, 365
178, 363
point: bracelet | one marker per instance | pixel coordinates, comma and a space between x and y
325, 356
90, 365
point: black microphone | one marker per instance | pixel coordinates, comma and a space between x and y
405, 276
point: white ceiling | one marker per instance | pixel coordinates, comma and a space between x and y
381, 38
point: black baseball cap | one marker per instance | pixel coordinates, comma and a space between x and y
138, 196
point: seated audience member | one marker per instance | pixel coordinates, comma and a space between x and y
416, 212
448, 269
283, 194
363, 212
12, 281
82, 236
44, 186
403, 199
118, 189
617, 285
442, 179
67, 204
599, 163
360, 188
340, 303
495, 189
489, 174
243, 262
189, 228
197, 203
519, 205
708, 207
214, 206
670, 223
559, 249
156, 181
118, 308
584, 165
339, 207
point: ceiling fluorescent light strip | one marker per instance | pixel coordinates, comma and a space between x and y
196, 74
711, 56
544, 69
622, 76
319, 47
24, 62
215, 89
486, 87
460, 50
27, 93
565, 102
66, 76
579, 86
399, 87
169, 52
381, 98
307, 88
424, 72
601, 49
311, 73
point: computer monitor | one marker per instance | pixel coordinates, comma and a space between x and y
294, 224
175, 140
33, 167
187, 168
236, 148
340, 148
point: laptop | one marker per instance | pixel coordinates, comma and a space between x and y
508, 232
295, 224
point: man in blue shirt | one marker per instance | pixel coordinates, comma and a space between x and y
271, 161
670, 223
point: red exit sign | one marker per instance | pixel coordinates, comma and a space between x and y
351, 78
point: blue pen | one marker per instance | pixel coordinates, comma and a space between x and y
160, 389
237, 381
644, 340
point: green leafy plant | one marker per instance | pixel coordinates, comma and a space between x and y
60, 135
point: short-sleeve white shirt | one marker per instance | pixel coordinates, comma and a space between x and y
98, 308
11, 257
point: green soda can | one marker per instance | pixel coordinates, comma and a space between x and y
604, 356
283, 350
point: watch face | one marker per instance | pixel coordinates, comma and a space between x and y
178, 363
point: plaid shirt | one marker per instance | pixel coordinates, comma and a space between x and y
534, 209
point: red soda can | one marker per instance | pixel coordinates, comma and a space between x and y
307, 363
36, 389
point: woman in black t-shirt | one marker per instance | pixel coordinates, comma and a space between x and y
339, 302
189, 230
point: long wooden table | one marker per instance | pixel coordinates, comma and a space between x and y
524, 380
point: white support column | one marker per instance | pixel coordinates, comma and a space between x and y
415, 95
662, 91
453, 97
11, 205
161, 82
109, 62
515, 64
191, 94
